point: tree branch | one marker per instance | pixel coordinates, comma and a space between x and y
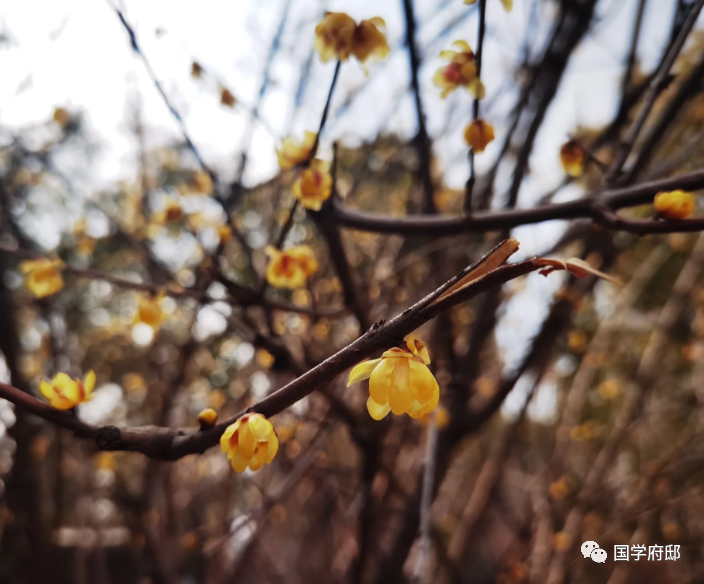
587, 207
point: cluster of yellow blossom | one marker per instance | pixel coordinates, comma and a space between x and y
460, 72
674, 205
43, 276
149, 310
290, 268
478, 134
294, 152
399, 381
65, 393
250, 442
338, 36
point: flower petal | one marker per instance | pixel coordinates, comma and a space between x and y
260, 427
400, 394
376, 411
89, 382
362, 371
238, 462
380, 381
248, 442
422, 381
273, 447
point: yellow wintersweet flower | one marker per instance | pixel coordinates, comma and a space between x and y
250, 442
369, 40
294, 152
338, 36
207, 418
674, 204
149, 311
461, 72
572, 157
399, 381
507, 4
314, 186
290, 268
65, 393
478, 134
42, 277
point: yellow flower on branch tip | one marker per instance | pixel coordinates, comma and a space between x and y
369, 40
65, 393
674, 205
338, 36
42, 277
399, 381
507, 4
478, 134
290, 268
460, 72
250, 442
314, 186
149, 310
572, 157
294, 152
207, 418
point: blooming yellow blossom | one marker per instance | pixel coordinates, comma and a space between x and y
149, 311
478, 134
338, 36
250, 442
65, 393
507, 4
399, 381
314, 186
572, 157
674, 204
294, 152
207, 418
460, 72
42, 277
290, 268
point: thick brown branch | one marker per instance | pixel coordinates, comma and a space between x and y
171, 444
498, 220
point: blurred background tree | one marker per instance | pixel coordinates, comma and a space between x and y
138, 146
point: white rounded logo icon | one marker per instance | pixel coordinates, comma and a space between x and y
599, 555
588, 547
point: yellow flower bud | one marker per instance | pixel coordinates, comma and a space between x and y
399, 381
250, 442
65, 393
207, 418
314, 186
674, 205
572, 157
42, 277
478, 134
149, 311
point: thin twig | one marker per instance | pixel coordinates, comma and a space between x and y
469, 187
656, 86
